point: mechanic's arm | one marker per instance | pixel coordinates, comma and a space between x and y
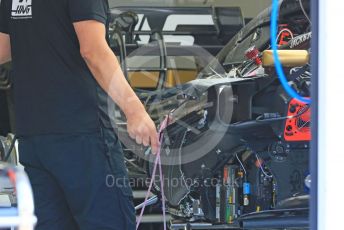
105, 67
5, 48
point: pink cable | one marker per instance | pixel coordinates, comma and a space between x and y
156, 163
162, 193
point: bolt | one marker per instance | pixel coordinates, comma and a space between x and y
280, 149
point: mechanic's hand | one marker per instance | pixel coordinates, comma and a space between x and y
142, 129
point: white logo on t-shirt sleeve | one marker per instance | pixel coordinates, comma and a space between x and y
22, 9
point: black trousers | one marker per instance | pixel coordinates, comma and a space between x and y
79, 181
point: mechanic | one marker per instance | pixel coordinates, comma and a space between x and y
63, 74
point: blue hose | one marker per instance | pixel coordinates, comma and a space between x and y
278, 65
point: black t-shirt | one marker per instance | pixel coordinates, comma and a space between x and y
54, 89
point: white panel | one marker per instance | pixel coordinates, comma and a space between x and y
173, 21
140, 16
331, 125
144, 39
182, 40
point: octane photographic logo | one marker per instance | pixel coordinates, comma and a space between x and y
21, 9
164, 101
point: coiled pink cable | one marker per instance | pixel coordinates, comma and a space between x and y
157, 162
